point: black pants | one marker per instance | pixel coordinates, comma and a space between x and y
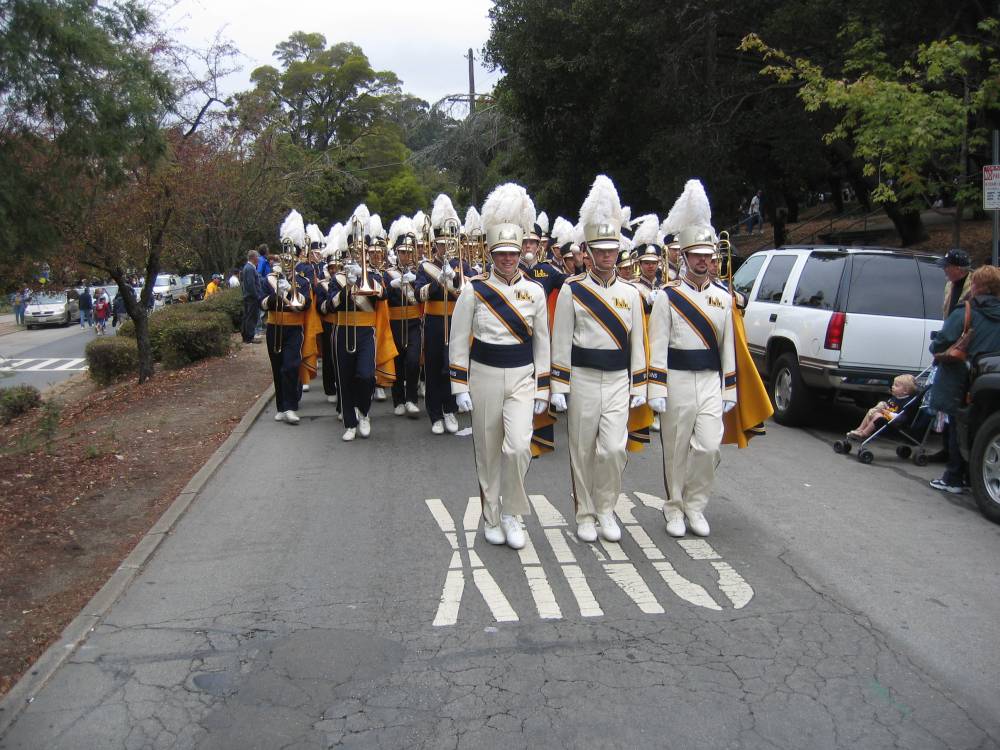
285, 364
355, 370
329, 368
406, 334
956, 471
439, 397
251, 314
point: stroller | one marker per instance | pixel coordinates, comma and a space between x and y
909, 428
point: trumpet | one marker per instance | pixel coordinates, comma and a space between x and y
453, 249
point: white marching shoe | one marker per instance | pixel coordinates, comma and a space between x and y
494, 534
438, 428
512, 529
412, 410
450, 422
279, 417
364, 426
697, 523
291, 417
586, 531
421, 389
609, 527
380, 394
305, 388
349, 434
655, 427
399, 410
331, 399
675, 523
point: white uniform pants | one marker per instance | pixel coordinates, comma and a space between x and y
691, 431
502, 416
598, 434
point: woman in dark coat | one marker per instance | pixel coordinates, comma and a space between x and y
951, 382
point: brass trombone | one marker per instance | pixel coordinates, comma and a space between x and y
363, 287
453, 249
291, 299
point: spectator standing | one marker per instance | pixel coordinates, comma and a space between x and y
250, 285
952, 378
86, 307
102, 310
755, 216
118, 311
234, 278
263, 264
214, 285
19, 305
957, 266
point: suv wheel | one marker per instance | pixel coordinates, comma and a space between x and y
984, 468
789, 394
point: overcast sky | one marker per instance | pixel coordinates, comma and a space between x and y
423, 42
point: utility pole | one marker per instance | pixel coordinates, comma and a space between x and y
472, 83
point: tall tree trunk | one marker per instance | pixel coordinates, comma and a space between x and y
909, 224
144, 346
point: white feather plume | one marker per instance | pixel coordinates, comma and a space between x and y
625, 243
332, 234
509, 204
602, 205
402, 225
579, 236
543, 222
362, 214
337, 238
562, 231
418, 220
293, 229
626, 216
315, 234
691, 209
648, 228
375, 228
442, 211
473, 222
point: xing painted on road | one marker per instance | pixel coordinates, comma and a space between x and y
649, 579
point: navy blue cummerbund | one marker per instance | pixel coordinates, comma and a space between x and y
693, 359
609, 360
502, 355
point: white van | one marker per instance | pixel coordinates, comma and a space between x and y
832, 319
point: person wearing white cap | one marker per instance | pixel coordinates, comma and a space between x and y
499, 364
599, 361
692, 369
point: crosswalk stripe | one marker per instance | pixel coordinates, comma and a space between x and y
546, 511
731, 583
584, 596
470, 522
629, 581
451, 598
71, 365
42, 365
685, 589
444, 520
698, 549
538, 582
493, 596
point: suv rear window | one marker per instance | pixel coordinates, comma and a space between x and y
886, 285
820, 280
933, 278
772, 286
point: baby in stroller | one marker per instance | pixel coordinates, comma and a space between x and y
904, 388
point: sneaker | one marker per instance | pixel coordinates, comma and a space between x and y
364, 426
380, 394
940, 484
450, 423
412, 410
349, 434
305, 388
697, 523
279, 417
586, 531
438, 427
494, 534
331, 399
675, 523
609, 527
513, 531
291, 417
399, 410
655, 427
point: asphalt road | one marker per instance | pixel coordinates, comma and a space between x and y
44, 356
322, 594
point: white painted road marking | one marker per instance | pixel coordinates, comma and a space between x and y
40, 364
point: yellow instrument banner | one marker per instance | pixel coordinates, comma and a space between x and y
312, 328
543, 439
753, 405
385, 347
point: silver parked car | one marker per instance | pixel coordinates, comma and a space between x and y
52, 308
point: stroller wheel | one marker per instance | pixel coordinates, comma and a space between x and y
920, 458
841, 446
866, 456
903, 451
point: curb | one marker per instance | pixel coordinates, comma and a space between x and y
24, 690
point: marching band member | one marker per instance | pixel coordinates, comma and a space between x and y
336, 244
535, 261
692, 369
352, 296
285, 297
649, 255
599, 361
499, 365
437, 286
404, 317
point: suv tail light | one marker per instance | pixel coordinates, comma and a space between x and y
835, 331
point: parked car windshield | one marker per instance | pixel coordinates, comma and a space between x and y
48, 298
163, 279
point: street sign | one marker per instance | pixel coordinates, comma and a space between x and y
991, 187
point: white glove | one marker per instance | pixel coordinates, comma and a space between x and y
395, 283
727, 406
409, 277
353, 269
541, 405
558, 401
637, 401
464, 402
352, 278
659, 405
448, 272
283, 285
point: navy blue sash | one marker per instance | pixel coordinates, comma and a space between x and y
607, 360
502, 355
500, 307
604, 314
699, 322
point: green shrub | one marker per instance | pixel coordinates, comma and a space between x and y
17, 400
159, 321
186, 339
228, 301
111, 358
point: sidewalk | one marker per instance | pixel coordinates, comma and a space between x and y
7, 324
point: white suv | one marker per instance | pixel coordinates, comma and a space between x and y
831, 319
168, 289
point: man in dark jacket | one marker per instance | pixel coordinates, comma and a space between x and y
250, 287
86, 307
